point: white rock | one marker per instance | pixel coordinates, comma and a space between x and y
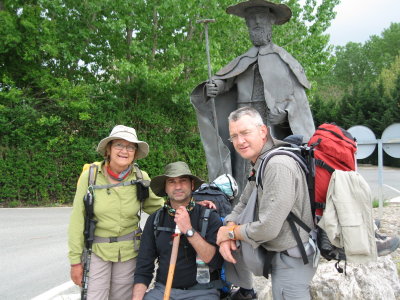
362, 282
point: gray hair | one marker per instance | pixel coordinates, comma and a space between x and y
246, 111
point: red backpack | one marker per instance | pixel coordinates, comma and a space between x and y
334, 149
330, 148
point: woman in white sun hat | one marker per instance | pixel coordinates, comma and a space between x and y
117, 212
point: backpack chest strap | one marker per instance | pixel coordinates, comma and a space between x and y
125, 183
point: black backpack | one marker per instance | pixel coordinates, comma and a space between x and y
214, 194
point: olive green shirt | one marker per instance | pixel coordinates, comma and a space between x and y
117, 211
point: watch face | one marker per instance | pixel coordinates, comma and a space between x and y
231, 235
190, 233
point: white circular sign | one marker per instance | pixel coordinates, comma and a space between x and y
391, 140
366, 140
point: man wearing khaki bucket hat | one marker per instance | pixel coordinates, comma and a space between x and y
180, 211
120, 193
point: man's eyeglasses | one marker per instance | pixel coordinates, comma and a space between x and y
129, 148
244, 134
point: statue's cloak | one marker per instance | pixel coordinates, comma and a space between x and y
284, 91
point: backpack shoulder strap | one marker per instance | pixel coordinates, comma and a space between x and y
292, 218
296, 154
205, 214
143, 184
293, 152
139, 174
113, 185
157, 222
92, 174
204, 222
157, 218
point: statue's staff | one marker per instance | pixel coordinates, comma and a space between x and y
214, 111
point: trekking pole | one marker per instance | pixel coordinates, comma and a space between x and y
90, 226
214, 111
87, 255
172, 263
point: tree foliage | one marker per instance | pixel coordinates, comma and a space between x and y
364, 86
357, 64
71, 70
388, 77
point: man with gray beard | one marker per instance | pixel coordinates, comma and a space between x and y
267, 78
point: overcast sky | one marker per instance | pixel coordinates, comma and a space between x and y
357, 20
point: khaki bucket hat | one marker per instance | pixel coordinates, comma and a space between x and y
281, 12
175, 169
125, 133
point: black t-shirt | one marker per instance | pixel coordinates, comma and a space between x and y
158, 245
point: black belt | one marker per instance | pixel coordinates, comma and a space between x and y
215, 284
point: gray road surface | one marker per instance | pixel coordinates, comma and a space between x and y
33, 247
391, 180
33, 251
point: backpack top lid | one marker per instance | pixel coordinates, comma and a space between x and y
227, 184
335, 146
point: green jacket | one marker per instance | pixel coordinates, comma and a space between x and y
117, 213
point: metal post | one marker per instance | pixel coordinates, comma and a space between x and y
214, 111
380, 177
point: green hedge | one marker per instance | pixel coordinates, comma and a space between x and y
42, 156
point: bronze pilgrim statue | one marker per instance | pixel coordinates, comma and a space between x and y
266, 77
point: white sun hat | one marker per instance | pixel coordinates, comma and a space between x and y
128, 134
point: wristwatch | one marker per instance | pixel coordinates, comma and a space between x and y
190, 232
231, 232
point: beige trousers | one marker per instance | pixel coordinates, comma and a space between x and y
110, 280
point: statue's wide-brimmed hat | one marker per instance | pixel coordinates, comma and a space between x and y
128, 134
175, 169
281, 12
